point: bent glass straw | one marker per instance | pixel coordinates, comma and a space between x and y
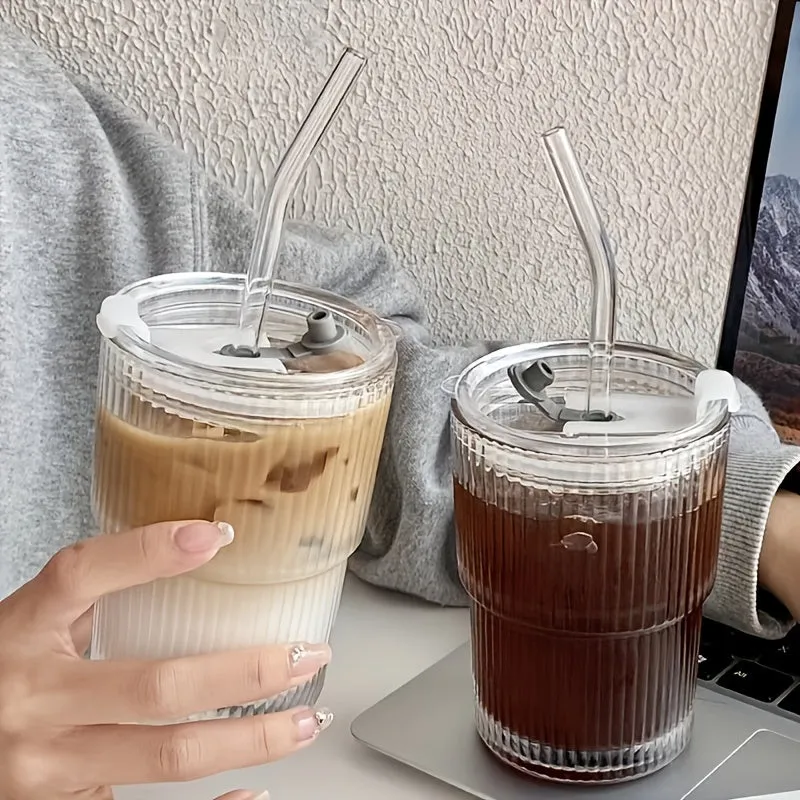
267, 241
601, 265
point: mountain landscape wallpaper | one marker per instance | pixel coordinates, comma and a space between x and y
768, 351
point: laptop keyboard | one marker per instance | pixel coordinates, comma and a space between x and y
765, 671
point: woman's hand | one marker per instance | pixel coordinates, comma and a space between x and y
779, 565
60, 715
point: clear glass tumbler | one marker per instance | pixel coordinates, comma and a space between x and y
587, 560
288, 459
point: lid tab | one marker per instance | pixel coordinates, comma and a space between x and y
121, 311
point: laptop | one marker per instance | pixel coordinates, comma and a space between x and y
746, 740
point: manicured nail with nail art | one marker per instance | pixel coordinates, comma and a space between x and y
310, 722
226, 536
201, 537
307, 659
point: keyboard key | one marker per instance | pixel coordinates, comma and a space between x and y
721, 638
713, 635
744, 646
794, 636
783, 656
791, 702
710, 664
753, 680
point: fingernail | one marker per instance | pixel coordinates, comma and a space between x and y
307, 659
197, 537
262, 796
225, 534
311, 722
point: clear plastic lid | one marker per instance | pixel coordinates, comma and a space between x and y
660, 401
179, 332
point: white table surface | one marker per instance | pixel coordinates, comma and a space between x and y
381, 640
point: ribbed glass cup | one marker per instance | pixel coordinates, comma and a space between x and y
288, 459
587, 561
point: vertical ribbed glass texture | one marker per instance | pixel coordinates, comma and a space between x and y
294, 475
587, 569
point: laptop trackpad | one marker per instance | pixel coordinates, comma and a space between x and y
763, 768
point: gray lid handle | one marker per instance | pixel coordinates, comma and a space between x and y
530, 383
322, 336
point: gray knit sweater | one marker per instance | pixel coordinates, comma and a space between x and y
90, 200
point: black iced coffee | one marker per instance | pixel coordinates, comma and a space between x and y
587, 558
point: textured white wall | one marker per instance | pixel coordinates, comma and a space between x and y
437, 150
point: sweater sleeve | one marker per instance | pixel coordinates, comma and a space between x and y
758, 463
409, 544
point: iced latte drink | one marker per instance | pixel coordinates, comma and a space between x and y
283, 446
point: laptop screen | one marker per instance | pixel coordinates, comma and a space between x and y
761, 334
